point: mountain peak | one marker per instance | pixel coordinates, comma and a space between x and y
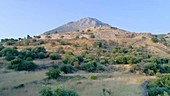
83, 23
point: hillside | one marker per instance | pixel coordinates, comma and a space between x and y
86, 27
97, 57
122, 37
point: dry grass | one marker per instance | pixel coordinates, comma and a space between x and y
120, 84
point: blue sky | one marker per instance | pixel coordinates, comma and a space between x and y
21, 17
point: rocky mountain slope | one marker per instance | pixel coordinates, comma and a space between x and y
77, 25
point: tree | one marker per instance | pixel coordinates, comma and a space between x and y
29, 37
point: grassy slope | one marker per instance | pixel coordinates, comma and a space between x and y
120, 84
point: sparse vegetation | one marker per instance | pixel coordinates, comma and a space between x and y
57, 92
95, 56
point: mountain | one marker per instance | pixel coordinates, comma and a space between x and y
77, 25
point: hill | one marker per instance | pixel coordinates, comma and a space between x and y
109, 59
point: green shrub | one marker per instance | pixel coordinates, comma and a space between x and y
41, 55
121, 60
154, 39
1, 47
159, 86
66, 68
102, 61
69, 59
111, 61
88, 67
46, 91
132, 60
97, 44
54, 56
151, 68
64, 92
29, 59
9, 57
92, 36
53, 73
165, 68
93, 77
10, 51
39, 49
100, 68
20, 65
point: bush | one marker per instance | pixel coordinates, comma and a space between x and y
154, 39
46, 91
66, 68
39, 49
92, 36
64, 92
9, 57
54, 56
10, 51
132, 60
121, 60
53, 73
111, 61
1, 47
20, 65
102, 61
69, 59
151, 68
100, 68
41, 55
88, 67
165, 68
93, 77
29, 59
97, 44
159, 86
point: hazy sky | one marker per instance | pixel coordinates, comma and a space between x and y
21, 17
